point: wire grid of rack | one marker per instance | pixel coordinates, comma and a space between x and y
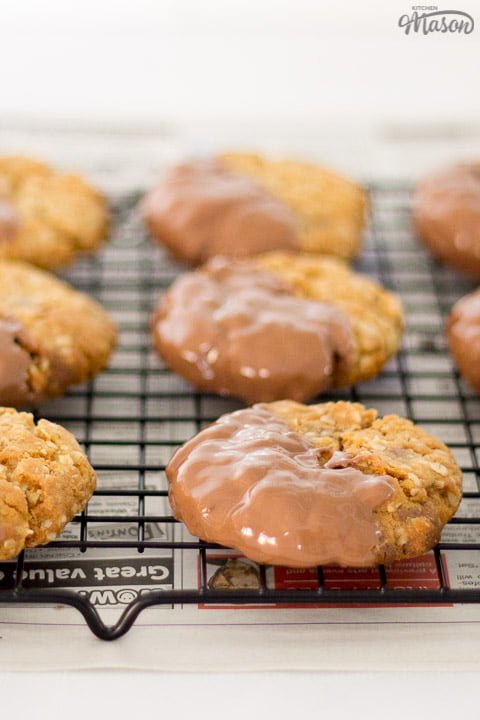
133, 416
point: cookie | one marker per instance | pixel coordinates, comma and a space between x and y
240, 205
446, 214
47, 218
277, 325
463, 333
300, 486
51, 336
45, 480
330, 210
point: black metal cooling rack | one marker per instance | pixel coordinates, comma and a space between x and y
132, 417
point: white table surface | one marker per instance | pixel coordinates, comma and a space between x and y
259, 696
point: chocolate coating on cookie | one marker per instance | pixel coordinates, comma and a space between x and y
202, 209
232, 329
463, 332
251, 483
286, 346
15, 363
300, 485
447, 216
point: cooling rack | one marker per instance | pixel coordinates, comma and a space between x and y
133, 416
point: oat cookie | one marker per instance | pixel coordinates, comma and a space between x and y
297, 485
446, 214
330, 209
241, 205
463, 333
277, 325
45, 480
375, 314
47, 218
51, 336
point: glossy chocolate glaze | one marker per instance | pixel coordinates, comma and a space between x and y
9, 221
463, 331
447, 215
15, 363
202, 209
249, 482
232, 329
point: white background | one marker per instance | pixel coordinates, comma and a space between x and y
337, 81
268, 696
233, 60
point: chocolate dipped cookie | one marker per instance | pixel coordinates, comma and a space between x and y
300, 486
463, 334
276, 325
239, 205
446, 214
51, 336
